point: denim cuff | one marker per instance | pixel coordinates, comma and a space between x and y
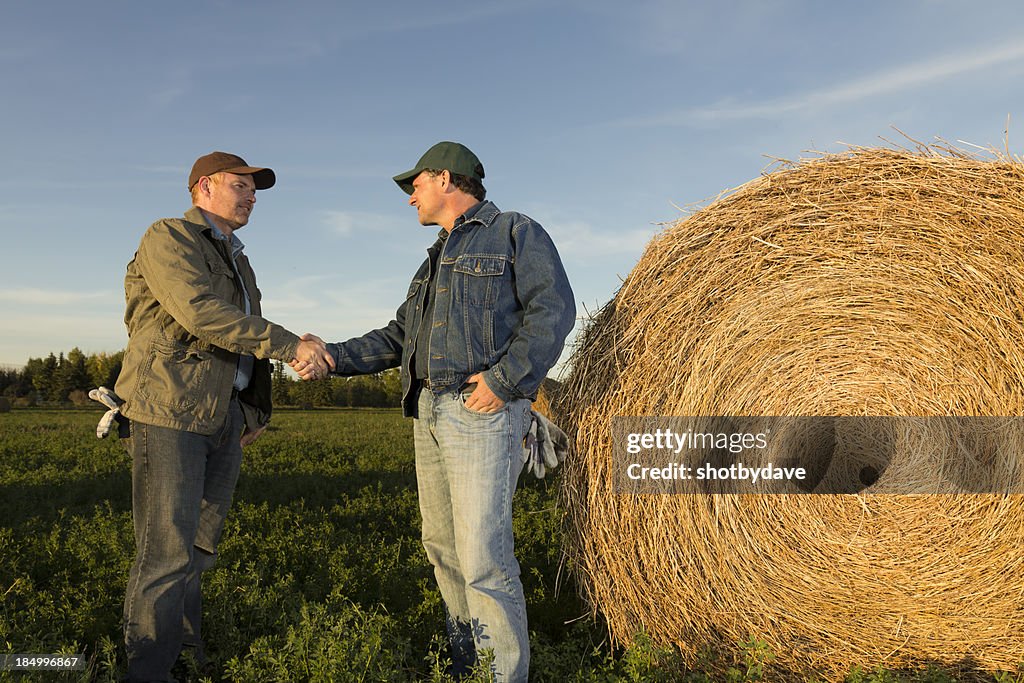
497, 384
335, 351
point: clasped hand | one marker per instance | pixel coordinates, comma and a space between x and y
312, 360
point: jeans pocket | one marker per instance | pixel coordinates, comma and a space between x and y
461, 398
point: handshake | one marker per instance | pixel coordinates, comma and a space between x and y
312, 360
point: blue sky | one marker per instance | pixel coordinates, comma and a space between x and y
597, 118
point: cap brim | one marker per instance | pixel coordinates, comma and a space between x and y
263, 177
404, 180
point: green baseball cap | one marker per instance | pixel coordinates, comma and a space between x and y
444, 156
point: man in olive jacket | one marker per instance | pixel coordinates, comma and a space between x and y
196, 388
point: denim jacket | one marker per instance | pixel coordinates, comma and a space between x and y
503, 306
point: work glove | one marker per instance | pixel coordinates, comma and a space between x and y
544, 445
111, 401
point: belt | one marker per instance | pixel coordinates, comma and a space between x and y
425, 383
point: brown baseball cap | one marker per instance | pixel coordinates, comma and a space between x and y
222, 162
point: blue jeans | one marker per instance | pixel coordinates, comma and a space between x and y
467, 465
182, 485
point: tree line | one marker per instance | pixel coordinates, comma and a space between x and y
65, 379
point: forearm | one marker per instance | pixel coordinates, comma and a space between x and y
532, 353
373, 352
549, 313
179, 278
228, 328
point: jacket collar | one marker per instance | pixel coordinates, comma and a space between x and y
198, 218
194, 215
484, 214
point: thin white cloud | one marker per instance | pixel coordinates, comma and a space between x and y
54, 297
193, 74
34, 335
336, 295
433, 18
333, 307
177, 84
15, 53
298, 294
580, 240
330, 171
346, 223
885, 82
164, 170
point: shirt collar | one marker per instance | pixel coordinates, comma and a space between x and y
236, 244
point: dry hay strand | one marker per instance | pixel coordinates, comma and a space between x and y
546, 402
871, 282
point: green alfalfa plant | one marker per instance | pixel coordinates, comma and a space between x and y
1010, 676
757, 656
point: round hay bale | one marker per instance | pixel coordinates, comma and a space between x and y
876, 282
547, 399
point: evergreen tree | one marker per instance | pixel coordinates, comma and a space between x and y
9, 381
77, 374
104, 368
33, 369
392, 383
280, 384
44, 374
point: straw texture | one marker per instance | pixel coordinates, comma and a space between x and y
546, 398
873, 282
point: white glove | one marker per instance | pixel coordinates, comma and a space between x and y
544, 446
532, 459
110, 400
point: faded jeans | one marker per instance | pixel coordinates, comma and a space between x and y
182, 485
467, 465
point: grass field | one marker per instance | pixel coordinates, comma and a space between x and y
321, 575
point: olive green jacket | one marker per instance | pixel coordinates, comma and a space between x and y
187, 325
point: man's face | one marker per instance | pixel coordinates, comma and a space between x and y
230, 197
428, 197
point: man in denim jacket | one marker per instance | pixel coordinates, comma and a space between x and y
484, 320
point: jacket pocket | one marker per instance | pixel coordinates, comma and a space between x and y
413, 302
219, 267
414, 287
175, 374
480, 278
